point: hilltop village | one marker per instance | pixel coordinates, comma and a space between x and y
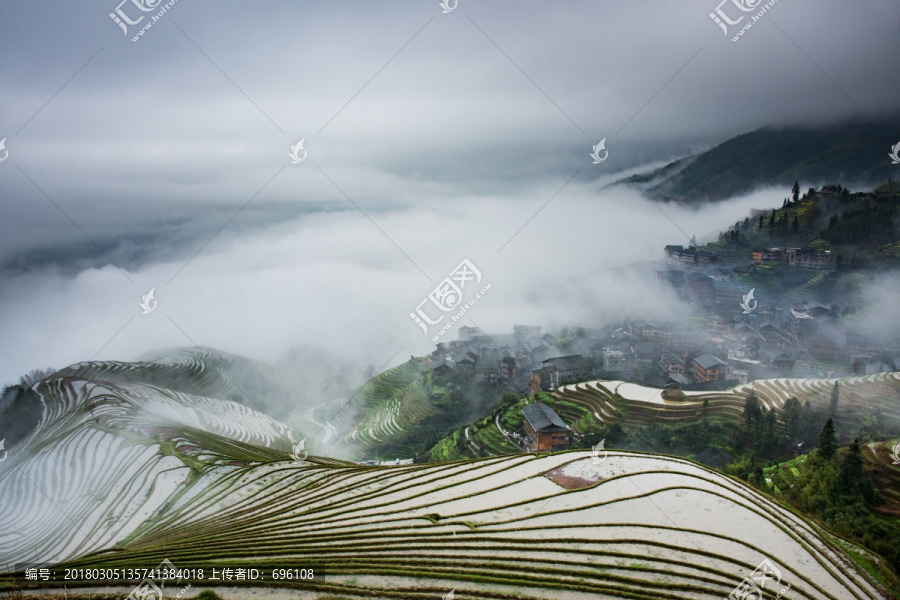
805, 339
756, 311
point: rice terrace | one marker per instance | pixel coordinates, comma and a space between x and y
153, 474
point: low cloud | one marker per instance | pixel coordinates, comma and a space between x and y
338, 281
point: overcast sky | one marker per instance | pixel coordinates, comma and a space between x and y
431, 138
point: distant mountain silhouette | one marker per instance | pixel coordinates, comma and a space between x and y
854, 154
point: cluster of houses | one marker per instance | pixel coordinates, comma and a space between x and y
729, 349
772, 341
528, 361
518, 359
742, 339
802, 258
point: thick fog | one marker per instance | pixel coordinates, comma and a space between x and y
432, 138
335, 280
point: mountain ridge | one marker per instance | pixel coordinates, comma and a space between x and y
854, 152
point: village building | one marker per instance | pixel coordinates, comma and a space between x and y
561, 370
863, 344
728, 294
544, 430
828, 342
764, 256
801, 325
444, 367
708, 368
616, 361
671, 364
507, 368
809, 258
466, 364
775, 358
700, 286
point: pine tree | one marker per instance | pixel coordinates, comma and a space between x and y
772, 220
760, 222
827, 440
795, 191
752, 412
795, 225
850, 477
835, 396
791, 413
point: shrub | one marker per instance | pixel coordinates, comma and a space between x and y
673, 395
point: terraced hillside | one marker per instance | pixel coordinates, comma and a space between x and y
386, 407
128, 474
198, 371
599, 403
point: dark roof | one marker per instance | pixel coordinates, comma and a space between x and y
445, 362
563, 363
543, 418
681, 379
775, 354
655, 380
708, 361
